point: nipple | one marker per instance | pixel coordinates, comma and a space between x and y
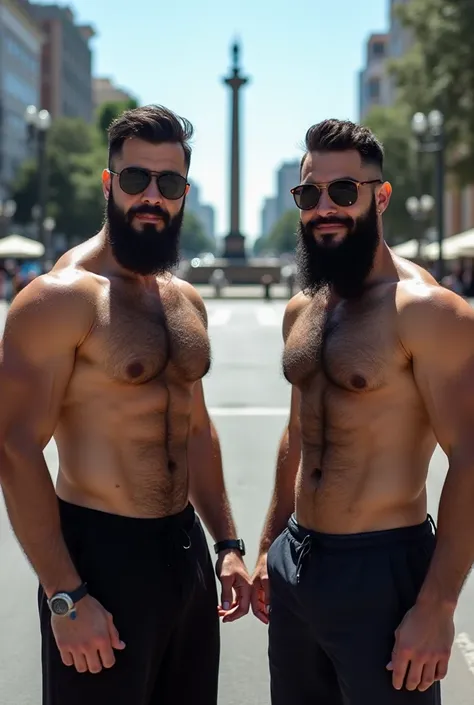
358, 382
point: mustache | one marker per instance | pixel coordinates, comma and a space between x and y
318, 222
149, 210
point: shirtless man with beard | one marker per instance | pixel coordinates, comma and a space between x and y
358, 589
106, 354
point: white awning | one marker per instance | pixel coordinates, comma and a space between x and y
19, 247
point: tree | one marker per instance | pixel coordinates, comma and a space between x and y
408, 175
438, 72
193, 239
282, 237
110, 110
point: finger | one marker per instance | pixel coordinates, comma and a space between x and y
266, 589
428, 676
227, 596
94, 664
256, 597
442, 669
115, 640
261, 611
414, 675
400, 664
80, 662
67, 658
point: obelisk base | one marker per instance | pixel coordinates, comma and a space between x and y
234, 247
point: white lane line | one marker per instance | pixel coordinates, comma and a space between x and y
219, 317
466, 646
267, 316
248, 411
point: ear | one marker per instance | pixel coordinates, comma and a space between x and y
188, 186
106, 183
383, 197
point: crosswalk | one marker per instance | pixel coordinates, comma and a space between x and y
266, 316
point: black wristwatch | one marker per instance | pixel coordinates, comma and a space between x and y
63, 604
237, 544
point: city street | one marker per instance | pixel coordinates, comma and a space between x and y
248, 400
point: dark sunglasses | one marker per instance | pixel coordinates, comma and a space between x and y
135, 179
342, 192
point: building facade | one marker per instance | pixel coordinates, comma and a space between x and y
104, 91
20, 80
374, 82
203, 212
66, 66
269, 216
288, 176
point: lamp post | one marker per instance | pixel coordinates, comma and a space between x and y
38, 123
7, 211
48, 226
420, 209
429, 132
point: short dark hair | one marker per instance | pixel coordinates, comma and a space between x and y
341, 135
152, 123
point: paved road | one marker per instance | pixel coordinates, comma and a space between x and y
248, 399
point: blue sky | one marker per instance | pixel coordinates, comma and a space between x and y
302, 56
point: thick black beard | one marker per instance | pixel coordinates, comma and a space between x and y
148, 251
344, 267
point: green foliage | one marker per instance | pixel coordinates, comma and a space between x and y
438, 72
282, 238
107, 113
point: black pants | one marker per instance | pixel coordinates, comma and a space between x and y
163, 599
335, 604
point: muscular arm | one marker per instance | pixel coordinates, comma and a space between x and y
207, 489
439, 333
45, 324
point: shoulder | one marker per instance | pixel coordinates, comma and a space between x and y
191, 293
431, 315
61, 301
293, 310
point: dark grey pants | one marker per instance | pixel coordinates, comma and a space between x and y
336, 601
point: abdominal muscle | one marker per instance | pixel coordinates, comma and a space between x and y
370, 476
128, 460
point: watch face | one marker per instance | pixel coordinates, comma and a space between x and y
59, 606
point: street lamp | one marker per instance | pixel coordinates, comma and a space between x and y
429, 132
420, 209
38, 123
7, 211
48, 226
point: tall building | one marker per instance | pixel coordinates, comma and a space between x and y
269, 216
66, 89
400, 41
374, 81
203, 212
104, 91
288, 176
20, 62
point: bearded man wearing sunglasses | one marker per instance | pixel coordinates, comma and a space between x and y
106, 354
358, 590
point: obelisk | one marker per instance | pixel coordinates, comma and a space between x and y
234, 247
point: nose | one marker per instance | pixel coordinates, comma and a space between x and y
325, 207
152, 194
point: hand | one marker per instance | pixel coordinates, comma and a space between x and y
236, 587
261, 590
87, 642
423, 644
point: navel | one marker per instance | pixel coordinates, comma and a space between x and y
135, 369
358, 382
172, 466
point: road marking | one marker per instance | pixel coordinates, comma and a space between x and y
267, 316
219, 317
248, 411
466, 647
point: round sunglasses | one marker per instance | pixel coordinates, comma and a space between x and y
135, 179
342, 192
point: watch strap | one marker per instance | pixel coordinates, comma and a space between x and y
230, 544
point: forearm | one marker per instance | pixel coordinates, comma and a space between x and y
454, 553
282, 503
207, 487
32, 508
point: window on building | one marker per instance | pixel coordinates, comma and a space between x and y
378, 50
374, 89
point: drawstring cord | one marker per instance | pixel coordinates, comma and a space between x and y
305, 550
